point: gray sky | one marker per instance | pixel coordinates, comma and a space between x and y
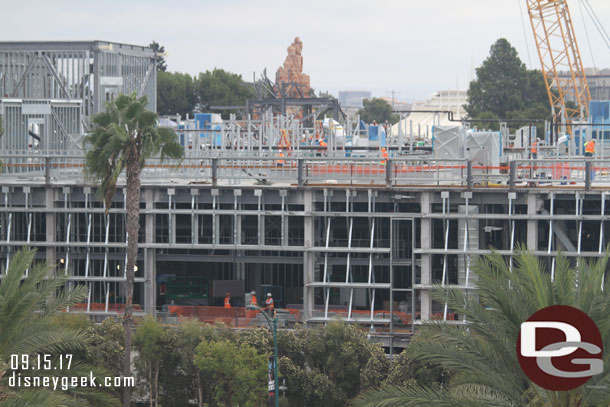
412, 47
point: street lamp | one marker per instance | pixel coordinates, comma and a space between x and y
273, 327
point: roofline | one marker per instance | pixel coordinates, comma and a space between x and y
73, 45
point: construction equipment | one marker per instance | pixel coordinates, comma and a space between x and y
558, 51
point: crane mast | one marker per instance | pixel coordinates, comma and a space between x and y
558, 52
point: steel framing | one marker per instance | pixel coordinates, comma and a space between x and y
366, 252
90, 73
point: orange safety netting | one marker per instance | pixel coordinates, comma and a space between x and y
100, 306
238, 317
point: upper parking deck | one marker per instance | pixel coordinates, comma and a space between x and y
307, 169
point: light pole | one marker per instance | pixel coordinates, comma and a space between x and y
273, 327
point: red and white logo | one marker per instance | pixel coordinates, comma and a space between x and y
560, 348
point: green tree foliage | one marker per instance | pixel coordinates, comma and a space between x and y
505, 88
377, 110
29, 317
159, 49
175, 94
184, 381
221, 88
482, 361
341, 352
151, 342
123, 138
236, 372
107, 347
488, 121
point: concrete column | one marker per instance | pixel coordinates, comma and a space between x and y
50, 224
150, 258
195, 218
309, 258
534, 204
237, 218
472, 244
426, 259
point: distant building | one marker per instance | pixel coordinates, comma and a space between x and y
598, 81
353, 99
421, 122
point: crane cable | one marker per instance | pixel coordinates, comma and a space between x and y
529, 59
582, 15
596, 22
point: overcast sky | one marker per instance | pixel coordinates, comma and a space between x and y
411, 47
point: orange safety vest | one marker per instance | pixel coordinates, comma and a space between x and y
227, 302
535, 147
590, 147
253, 300
323, 143
269, 302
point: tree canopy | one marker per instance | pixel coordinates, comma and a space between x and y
506, 89
175, 94
482, 360
159, 49
236, 371
124, 137
221, 88
30, 308
377, 110
179, 93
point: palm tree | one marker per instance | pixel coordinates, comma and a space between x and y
482, 359
29, 308
124, 137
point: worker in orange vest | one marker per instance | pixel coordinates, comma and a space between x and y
228, 300
280, 162
253, 298
269, 305
590, 148
323, 143
384, 154
534, 149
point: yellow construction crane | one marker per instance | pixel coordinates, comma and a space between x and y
558, 52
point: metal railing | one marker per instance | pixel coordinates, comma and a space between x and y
395, 172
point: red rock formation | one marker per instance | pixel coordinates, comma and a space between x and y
292, 72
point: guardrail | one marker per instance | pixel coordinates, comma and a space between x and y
395, 172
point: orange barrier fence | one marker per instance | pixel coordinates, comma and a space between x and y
99, 306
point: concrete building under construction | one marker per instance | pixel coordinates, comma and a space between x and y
259, 205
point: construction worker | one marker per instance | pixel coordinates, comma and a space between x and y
253, 298
269, 304
323, 143
228, 300
384, 154
590, 148
534, 149
280, 162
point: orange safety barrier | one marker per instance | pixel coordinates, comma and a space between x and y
100, 306
238, 317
